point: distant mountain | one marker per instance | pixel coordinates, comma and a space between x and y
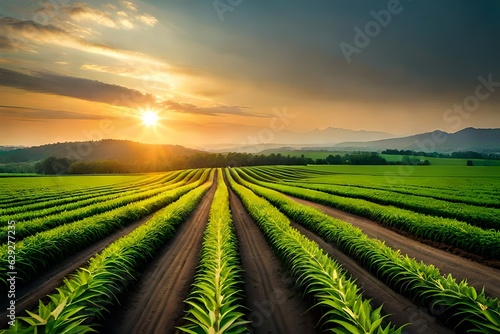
259, 148
468, 139
338, 135
319, 137
109, 149
10, 148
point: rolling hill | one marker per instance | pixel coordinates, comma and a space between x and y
108, 149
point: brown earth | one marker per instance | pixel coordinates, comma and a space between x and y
401, 310
275, 306
477, 275
27, 296
156, 304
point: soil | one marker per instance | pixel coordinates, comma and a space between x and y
27, 296
400, 309
156, 303
275, 306
477, 275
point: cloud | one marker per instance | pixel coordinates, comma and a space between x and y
5, 44
126, 24
122, 70
79, 88
129, 5
107, 15
22, 32
34, 114
147, 19
216, 110
83, 12
15, 33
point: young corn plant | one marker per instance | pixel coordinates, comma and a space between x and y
346, 311
464, 308
484, 198
487, 218
215, 299
88, 292
461, 235
81, 210
37, 253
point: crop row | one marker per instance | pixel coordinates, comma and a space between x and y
216, 295
460, 195
50, 188
66, 187
345, 309
39, 210
461, 235
61, 204
474, 215
89, 291
455, 196
37, 253
462, 305
27, 228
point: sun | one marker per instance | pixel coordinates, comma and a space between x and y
150, 118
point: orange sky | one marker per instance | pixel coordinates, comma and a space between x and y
88, 70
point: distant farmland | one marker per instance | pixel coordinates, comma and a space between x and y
322, 154
302, 249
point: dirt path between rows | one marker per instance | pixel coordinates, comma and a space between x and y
402, 310
476, 274
27, 296
156, 303
275, 307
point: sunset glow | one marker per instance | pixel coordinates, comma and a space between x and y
150, 118
218, 74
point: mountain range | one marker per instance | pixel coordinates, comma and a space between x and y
334, 139
469, 139
329, 136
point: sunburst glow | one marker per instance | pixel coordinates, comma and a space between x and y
150, 118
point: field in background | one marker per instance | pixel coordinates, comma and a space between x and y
389, 157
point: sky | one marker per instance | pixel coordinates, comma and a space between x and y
240, 71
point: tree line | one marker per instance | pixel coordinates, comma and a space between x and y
458, 155
53, 165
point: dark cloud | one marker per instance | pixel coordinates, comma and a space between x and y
6, 44
33, 114
20, 33
431, 50
26, 29
79, 88
216, 110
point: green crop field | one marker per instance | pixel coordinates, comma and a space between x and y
359, 249
322, 154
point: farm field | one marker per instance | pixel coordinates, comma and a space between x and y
270, 249
322, 154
